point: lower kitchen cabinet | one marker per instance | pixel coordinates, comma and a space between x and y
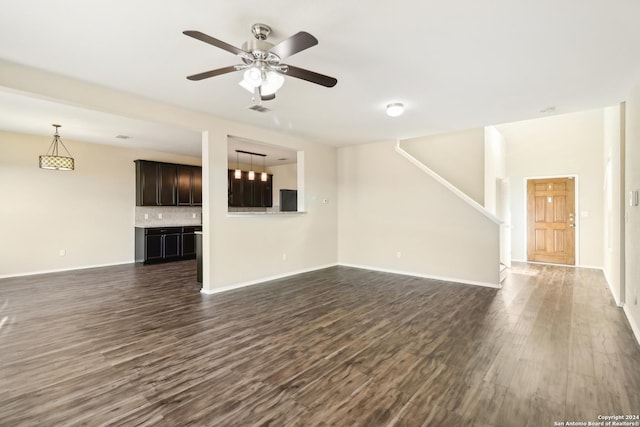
164, 244
189, 241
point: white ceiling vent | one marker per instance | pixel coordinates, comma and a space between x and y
259, 108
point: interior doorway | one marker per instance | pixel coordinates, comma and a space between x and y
551, 225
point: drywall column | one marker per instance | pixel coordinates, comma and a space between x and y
614, 200
632, 225
214, 200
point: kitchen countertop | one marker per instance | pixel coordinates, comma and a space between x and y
274, 213
182, 224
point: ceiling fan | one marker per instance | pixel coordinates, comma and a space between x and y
263, 71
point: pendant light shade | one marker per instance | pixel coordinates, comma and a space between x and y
237, 174
252, 174
263, 175
52, 160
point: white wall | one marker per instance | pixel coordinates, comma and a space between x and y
632, 226
495, 166
387, 205
308, 239
250, 248
284, 177
613, 261
88, 212
497, 191
559, 146
457, 157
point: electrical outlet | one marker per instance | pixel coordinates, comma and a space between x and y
146, 216
398, 254
284, 257
62, 252
325, 201
159, 216
193, 215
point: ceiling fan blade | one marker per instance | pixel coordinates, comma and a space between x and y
216, 72
310, 76
294, 44
213, 41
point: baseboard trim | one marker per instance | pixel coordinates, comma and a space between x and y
263, 280
634, 326
60, 270
424, 276
615, 297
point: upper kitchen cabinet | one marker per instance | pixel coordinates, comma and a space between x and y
167, 184
189, 185
248, 193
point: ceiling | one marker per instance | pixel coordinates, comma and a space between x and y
274, 155
35, 116
455, 65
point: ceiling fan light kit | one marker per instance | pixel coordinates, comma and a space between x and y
263, 73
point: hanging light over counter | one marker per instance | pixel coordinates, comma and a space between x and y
53, 160
251, 175
237, 174
263, 175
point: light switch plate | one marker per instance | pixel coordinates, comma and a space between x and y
633, 198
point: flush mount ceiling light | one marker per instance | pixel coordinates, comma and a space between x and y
395, 109
52, 160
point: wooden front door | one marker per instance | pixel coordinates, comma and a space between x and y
551, 220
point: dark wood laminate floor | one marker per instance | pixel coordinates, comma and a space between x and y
139, 345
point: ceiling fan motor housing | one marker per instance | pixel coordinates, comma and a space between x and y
260, 50
261, 31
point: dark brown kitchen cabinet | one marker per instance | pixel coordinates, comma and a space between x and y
167, 184
196, 186
254, 193
147, 183
164, 244
189, 185
234, 191
188, 243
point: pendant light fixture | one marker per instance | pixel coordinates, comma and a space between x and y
252, 174
237, 174
52, 160
263, 175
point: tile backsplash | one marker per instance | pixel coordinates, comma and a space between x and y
167, 216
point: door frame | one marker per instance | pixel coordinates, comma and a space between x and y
525, 181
